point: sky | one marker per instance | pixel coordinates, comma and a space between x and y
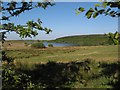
63, 21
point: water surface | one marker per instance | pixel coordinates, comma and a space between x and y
59, 44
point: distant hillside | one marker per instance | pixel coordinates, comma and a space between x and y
87, 40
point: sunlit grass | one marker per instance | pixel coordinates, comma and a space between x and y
65, 54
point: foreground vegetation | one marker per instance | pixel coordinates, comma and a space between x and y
82, 74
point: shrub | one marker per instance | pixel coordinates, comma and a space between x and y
26, 44
13, 80
50, 45
38, 45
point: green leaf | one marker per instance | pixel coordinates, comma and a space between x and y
116, 35
108, 10
96, 9
81, 9
88, 14
112, 12
116, 42
104, 4
77, 12
91, 10
101, 11
39, 4
95, 14
112, 15
97, 5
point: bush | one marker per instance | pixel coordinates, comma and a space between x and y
13, 80
26, 44
38, 45
50, 45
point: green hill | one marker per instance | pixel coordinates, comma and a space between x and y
86, 40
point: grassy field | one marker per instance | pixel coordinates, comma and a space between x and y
85, 40
26, 54
64, 67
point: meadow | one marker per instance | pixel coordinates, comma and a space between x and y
64, 67
62, 54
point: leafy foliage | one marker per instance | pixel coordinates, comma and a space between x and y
105, 8
16, 8
114, 37
28, 30
13, 8
6, 58
2, 37
14, 80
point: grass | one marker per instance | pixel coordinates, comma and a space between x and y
82, 74
71, 67
26, 54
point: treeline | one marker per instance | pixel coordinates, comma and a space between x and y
90, 40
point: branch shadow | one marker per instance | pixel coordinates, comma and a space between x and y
53, 75
59, 75
113, 70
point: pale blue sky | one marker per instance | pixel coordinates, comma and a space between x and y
61, 18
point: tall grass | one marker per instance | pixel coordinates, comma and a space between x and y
75, 74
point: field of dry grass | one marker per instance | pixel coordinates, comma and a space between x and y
27, 54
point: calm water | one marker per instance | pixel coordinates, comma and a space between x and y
56, 44
59, 44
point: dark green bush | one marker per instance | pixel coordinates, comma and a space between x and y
38, 45
13, 80
50, 45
